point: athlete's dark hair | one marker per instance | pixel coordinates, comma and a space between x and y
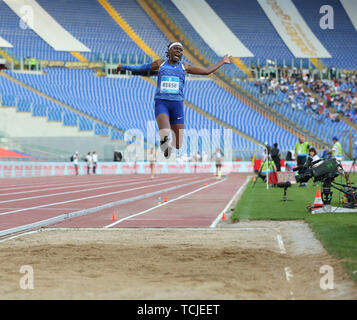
167, 52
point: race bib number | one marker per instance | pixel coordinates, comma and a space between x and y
170, 85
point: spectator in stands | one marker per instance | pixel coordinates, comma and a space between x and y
339, 94
169, 93
95, 161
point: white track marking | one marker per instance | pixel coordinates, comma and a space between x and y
71, 215
47, 209
161, 229
75, 191
287, 270
91, 197
288, 273
215, 222
163, 204
281, 244
64, 186
41, 184
288, 276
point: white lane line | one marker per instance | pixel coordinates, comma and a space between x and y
91, 197
155, 229
281, 244
71, 215
163, 204
288, 273
241, 188
287, 270
288, 276
75, 191
36, 185
65, 186
47, 209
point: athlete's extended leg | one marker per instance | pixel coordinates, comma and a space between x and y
163, 122
178, 130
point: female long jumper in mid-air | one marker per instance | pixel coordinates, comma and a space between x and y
169, 92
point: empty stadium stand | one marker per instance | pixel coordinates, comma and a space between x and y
101, 104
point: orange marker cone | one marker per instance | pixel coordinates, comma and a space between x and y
114, 217
318, 201
224, 216
166, 199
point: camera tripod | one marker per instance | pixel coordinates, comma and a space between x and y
349, 190
284, 185
267, 160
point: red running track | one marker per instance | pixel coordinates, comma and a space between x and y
194, 200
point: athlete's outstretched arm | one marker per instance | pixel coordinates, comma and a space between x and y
206, 71
154, 66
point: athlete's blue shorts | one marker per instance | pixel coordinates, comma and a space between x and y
173, 108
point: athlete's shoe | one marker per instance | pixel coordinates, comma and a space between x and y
165, 147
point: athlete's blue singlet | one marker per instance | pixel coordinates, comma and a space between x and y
169, 92
170, 82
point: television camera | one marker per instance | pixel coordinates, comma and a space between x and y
326, 171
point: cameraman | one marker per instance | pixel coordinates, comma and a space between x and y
305, 171
313, 156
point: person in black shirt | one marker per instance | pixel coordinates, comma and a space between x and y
275, 155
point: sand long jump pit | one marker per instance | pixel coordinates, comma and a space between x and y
247, 260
